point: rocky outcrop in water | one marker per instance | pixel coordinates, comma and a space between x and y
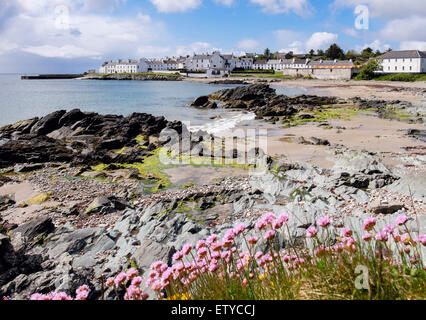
264, 102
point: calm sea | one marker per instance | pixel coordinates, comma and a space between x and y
24, 99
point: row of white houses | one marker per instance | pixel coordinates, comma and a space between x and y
202, 62
408, 61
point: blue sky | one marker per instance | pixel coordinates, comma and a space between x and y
39, 36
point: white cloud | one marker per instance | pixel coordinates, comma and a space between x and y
167, 6
295, 47
37, 27
407, 29
375, 45
413, 45
6, 46
227, 3
68, 52
321, 40
196, 47
300, 7
248, 44
297, 42
387, 9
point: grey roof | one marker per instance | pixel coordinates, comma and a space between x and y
404, 54
202, 56
227, 56
261, 62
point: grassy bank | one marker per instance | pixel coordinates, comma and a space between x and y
405, 77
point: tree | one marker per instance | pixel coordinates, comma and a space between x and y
352, 54
267, 53
367, 53
289, 55
367, 72
320, 52
311, 52
335, 52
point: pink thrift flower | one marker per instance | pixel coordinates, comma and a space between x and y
137, 281
120, 279
347, 232
311, 232
245, 282
156, 265
324, 221
389, 229
258, 255
178, 256
216, 246
401, 220
381, 236
240, 228
110, 282
213, 267
367, 237
211, 239
202, 252
131, 273
369, 224
200, 244
260, 224
186, 249
406, 239
422, 239
270, 234
253, 240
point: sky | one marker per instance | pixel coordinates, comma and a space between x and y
72, 36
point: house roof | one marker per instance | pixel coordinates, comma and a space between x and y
404, 54
261, 62
202, 56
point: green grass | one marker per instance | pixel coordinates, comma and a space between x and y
276, 75
405, 77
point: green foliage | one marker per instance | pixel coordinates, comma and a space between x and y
367, 72
335, 52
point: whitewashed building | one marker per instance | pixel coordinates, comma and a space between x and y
124, 66
244, 63
204, 62
406, 61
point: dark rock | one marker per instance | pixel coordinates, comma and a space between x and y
105, 205
31, 233
71, 117
48, 124
387, 209
320, 142
19, 168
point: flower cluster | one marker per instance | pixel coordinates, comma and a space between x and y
131, 282
82, 293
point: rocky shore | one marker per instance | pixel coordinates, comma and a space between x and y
84, 195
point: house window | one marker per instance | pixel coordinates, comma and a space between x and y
396, 68
403, 68
411, 68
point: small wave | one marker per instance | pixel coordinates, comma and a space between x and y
228, 121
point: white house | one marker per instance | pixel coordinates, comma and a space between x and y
215, 60
244, 63
406, 61
124, 66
